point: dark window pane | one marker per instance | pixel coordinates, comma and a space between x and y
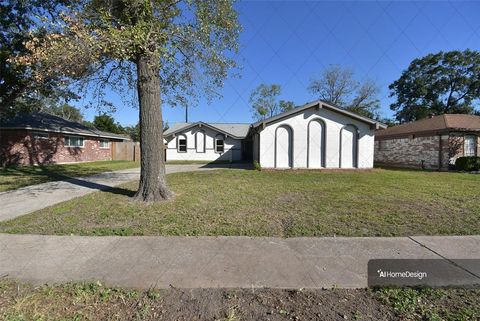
219, 146
182, 145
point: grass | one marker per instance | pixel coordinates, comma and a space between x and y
16, 177
432, 304
94, 301
276, 203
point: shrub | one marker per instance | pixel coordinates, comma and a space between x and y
256, 166
468, 163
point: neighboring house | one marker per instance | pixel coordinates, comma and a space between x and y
207, 142
42, 138
316, 135
432, 143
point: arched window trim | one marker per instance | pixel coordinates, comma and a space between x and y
289, 128
182, 136
204, 141
323, 142
215, 145
357, 138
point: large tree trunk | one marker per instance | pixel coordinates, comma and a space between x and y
153, 185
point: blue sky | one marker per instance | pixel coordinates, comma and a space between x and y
290, 43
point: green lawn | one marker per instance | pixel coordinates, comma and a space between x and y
276, 203
16, 177
94, 301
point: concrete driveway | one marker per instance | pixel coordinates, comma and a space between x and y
223, 262
33, 198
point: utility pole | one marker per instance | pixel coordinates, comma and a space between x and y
186, 113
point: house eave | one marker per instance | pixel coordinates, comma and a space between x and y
64, 132
318, 105
202, 124
427, 133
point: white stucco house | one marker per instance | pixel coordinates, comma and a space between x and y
200, 141
316, 135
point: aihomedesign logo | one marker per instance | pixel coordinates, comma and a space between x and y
402, 275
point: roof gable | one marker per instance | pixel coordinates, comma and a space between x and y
238, 131
319, 104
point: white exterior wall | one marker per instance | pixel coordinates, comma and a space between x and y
232, 150
334, 122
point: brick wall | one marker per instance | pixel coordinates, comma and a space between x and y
18, 147
409, 152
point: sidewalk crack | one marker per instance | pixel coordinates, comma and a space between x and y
445, 258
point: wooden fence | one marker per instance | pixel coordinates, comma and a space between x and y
129, 151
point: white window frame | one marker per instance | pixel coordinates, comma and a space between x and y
182, 137
104, 141
473, 145
40, 135
67, 138
216, 143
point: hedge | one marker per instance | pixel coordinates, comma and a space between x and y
468, 163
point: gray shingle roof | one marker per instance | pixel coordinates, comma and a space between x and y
51, 123
234, 130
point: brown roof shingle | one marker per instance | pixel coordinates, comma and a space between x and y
435, 124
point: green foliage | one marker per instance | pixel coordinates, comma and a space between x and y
257, 166
264, 101
431, 304
133, 132
337, 86
441, 83
98, 44
468, 163
389, 122
286, 105
107, 123
19, 91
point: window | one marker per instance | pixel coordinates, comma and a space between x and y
40, 135
73, 141
219, 144
382, 145
182, 144
103, 143
470, 148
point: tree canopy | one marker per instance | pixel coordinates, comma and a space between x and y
19, 90
107, 123
165, 50
338, 86
265, 104
441, 83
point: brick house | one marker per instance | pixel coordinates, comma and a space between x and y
431, 143
41, 138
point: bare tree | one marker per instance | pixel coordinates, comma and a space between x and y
264, 101
338, 86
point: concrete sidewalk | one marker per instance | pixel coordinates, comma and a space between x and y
33, 198
217, 262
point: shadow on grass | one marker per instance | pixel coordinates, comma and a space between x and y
237, 165
100, 187
52, 176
